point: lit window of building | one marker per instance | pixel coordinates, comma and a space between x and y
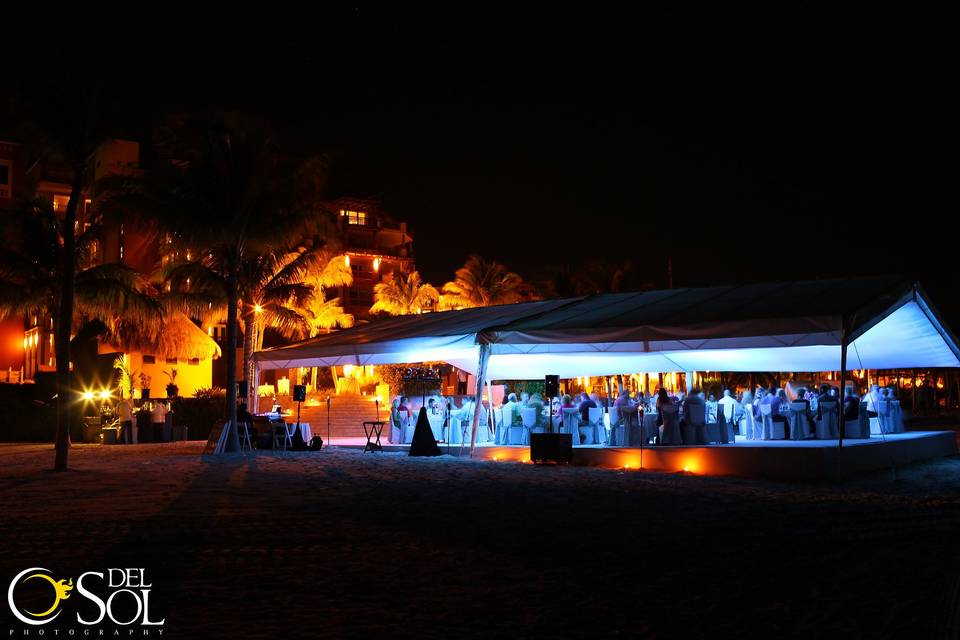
354, 217
60, 202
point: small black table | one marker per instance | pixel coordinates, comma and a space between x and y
373, 429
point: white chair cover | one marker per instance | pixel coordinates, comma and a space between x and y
694, 431
594, 432
771, 430
409, 427
529, 418
670, 429
884, 422
749, 428
827, 422
897, 416
571, 424
616, 428
799, 427
711, 411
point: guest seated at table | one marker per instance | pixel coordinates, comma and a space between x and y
566, 402
662, 401
511, 410
536, 403
872, 399
639, 399
555, 407
524, 398
624, 401
404, 408
802, 396
727, 399
597, 400
585, 405
695, 398
851, 404
774, 398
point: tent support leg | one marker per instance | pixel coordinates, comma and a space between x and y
255, 388
478, 387
843, 383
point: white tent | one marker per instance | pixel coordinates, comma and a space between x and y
821, 325
798, 326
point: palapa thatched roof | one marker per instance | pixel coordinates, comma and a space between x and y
179, 338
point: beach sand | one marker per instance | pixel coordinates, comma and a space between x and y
338, 544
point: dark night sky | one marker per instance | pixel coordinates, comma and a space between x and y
789, 141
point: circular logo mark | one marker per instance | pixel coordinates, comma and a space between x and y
60, 591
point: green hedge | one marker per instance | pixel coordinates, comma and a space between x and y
198, 414
31, 413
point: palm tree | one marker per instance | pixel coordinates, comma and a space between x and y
404, 295
35, 252
225, 193
273, 294
480, 283
327, 314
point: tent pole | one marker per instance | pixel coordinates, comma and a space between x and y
478, 387
843, 382
256, 391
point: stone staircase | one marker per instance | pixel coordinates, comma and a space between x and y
347, 413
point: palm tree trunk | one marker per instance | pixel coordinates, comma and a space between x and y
64, 323
233, 295
249, 344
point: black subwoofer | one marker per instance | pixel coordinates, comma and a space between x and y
551, 447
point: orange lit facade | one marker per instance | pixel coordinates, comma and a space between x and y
375, 246
27, 344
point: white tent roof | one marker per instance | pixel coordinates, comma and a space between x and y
769, 327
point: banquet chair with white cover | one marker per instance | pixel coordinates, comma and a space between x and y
528, 416
748, 425
409, 427
858, 427
694, 427
722, 431
499, 429
670, 429
827, 420
771, 430
799, 425
897, 416
883, 423
617, 427
571, 424
396, 428
594, 432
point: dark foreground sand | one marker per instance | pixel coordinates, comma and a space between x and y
338, 544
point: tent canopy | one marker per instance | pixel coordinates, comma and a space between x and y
791, 326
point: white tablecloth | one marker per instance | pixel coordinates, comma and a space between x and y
305, 432
436, 425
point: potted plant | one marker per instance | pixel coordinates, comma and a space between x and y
172, 388
144, 386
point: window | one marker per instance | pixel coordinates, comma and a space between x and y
354, 217
171, 361
194, 361
60, 202
6, 177
149, 359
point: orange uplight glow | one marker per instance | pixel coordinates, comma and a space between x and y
346, 261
